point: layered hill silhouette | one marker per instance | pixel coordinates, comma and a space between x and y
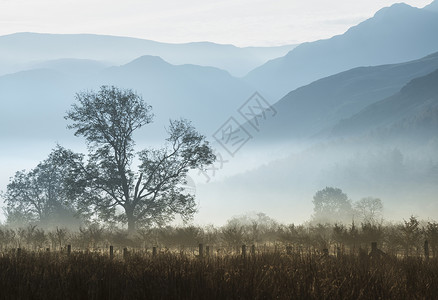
34, 102
209, 95
387, 150
311, 111
23, 51
395, 34
412, 112
347, 102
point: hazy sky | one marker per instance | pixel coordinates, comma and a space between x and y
239, 22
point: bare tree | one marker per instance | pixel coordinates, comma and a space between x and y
369, 210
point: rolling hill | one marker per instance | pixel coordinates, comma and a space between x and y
312, 110
388, 150
35, 101
22, 51
410, 113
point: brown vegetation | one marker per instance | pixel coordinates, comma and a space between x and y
270, 275
280, 262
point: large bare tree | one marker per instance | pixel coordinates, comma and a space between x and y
108, 184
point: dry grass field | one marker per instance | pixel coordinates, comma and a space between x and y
271, 275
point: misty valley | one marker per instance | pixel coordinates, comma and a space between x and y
136, 169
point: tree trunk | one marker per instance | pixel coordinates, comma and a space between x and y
131, 222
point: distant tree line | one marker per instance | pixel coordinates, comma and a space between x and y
404, 238
333, 205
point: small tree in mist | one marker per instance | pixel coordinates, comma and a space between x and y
40, 194
256, 227
233, 235
108, 184
331, 205
411, 235
369, 210
292, 234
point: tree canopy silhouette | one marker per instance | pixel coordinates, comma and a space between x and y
40, 195
332, 205
108, 184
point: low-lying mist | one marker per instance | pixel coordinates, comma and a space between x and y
281, 181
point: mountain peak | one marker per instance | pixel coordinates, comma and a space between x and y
395, 34
396, 8
433, 6
149, 61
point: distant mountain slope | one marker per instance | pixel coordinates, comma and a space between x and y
20, 51
413, 111
79, 67
34, 102
389, 150
315, 108
206, 95
395, 34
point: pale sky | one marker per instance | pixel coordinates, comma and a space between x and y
238, 22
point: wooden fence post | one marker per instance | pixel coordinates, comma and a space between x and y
373, 247
243, 251
426, 249
111, 252
201, 250
125, 253
154, 251
68, 250
253, 250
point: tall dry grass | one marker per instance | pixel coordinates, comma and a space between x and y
273, 275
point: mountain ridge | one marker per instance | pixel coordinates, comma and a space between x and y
19, 50
395, 34
204, 95
417, 100
309, 112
